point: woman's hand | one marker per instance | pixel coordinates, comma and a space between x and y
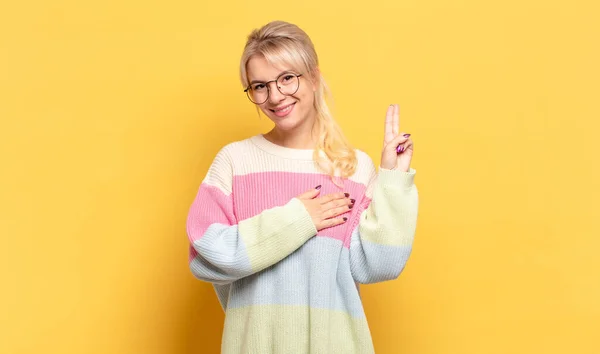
325, 210
397, 147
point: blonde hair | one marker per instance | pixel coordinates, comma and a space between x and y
281, 42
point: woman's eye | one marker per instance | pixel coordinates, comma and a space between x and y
288, 77
258, 87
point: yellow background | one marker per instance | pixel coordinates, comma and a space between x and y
112, 111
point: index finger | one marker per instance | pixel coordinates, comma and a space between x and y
396, 122
389, 124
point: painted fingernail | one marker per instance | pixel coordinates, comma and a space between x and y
345, 218
406, 135
318, 187
347, 195
399, 149
352, 201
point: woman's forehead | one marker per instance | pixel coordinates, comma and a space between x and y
261, 69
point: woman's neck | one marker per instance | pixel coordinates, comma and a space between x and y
302, 137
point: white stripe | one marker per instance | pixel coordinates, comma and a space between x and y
220, 172
246, 157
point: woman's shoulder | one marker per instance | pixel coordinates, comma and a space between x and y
365, 167
222, 168
363, 157
222, 164
232, 149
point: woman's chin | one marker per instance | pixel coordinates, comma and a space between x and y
286, 126
285, 123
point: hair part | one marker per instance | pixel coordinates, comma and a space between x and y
282, 43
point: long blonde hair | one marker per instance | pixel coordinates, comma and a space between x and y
281, 42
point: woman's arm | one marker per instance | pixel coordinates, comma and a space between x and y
223, 249
382, 241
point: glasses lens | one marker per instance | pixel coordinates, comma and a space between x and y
258, 93
288, 84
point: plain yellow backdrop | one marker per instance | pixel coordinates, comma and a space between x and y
111, 112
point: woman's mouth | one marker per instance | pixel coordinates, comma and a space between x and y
284, 110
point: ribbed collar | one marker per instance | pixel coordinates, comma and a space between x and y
296, 154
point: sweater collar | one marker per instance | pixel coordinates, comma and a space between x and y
296, 154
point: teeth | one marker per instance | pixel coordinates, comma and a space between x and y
284, 109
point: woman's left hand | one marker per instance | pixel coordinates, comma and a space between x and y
397, 146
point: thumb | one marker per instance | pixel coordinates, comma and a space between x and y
311, 193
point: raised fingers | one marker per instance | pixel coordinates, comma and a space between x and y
396, 119
389, 125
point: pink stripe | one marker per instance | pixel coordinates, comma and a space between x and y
210, 206
259, 191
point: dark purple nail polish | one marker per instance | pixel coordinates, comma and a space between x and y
406, 135
318, 187
345, 218
352, 200
399, 149
347, 195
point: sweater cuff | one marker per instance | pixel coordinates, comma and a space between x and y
303, 225
398, 178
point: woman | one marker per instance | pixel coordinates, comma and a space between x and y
287, 224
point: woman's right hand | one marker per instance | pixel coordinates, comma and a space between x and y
325, 211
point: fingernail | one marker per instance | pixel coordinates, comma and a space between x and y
352, 200
347, 195
345, 218
350, 206
399, 149
318, 187
406, 135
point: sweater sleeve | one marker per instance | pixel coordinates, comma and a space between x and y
224, 249
382, 241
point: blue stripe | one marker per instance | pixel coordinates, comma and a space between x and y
372, 262
316, 275
222, 256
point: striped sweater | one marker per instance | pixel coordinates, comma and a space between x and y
284, 287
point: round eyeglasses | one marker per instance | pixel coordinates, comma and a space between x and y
287, 84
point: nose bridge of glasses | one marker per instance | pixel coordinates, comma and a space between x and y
268, 84
274, 94
277, 89
270, 94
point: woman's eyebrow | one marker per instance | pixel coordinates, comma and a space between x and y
262, 82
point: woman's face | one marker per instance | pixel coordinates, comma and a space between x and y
286, 111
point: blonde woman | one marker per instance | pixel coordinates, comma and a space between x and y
286, 225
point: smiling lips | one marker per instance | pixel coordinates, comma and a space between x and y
284, 110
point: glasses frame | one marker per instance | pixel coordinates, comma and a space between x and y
248, 89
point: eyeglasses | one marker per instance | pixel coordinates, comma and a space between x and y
287, 84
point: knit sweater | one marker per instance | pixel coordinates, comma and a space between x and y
284, 286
